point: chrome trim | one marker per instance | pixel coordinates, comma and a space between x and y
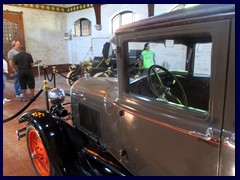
230, 142
207, 136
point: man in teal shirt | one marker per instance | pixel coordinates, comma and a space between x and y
147, 58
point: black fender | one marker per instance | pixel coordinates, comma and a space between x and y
61, 141
70, 151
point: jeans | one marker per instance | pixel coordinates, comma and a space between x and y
4, 80
17, 87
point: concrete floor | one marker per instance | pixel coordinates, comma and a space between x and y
16, 161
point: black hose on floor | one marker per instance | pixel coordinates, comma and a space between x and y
25, 107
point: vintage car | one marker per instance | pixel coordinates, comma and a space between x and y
176, 118
104, 66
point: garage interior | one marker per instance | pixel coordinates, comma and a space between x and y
47, 33
62, 37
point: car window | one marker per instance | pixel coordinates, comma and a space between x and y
172, 70
203, 58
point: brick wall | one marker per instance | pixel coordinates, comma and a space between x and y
44, 34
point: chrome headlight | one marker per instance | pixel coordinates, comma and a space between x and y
56, 96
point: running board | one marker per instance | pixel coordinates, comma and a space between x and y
19, 136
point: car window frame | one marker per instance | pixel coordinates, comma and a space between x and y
196, 28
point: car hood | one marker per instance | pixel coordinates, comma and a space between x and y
97, 86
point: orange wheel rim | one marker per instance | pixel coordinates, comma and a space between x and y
38, 153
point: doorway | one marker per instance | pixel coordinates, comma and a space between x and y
12, 30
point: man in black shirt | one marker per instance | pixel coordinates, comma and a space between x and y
24, 63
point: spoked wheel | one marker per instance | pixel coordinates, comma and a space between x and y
101, 74
72, 77
38, 153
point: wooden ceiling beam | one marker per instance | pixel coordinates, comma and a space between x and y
97, 10
150, 10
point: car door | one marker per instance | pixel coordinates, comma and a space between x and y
160, 138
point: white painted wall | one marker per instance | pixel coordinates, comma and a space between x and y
44, 34
44, 31
79, 46
162, 8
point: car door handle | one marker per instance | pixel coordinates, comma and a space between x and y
230, 141
207, 136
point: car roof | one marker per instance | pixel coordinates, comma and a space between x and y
199, 13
